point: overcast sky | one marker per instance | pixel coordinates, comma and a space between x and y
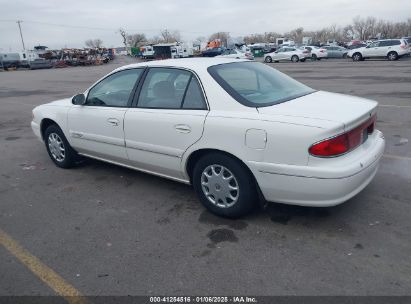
81, 20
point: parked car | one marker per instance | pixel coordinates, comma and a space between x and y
335, 51
10, 61
408, 39
392, 49
287, 53
356, 46
237, 54
213, 52
231, 128
317, 53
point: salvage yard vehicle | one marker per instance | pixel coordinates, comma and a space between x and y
237, 54
213, 52
392, 49
335, 51
235, 129
317, 53
288, 54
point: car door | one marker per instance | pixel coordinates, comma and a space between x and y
372, 49
167, 118
96, 128
383, 48
286, 55
331, 51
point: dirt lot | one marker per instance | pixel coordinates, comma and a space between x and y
107, 230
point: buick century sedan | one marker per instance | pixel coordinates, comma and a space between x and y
237, 131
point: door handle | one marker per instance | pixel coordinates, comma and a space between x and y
113, 121
182, 128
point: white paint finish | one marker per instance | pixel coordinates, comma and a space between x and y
255, 139
90, 131
272, 141
154, 137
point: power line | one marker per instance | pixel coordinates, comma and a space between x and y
157, 30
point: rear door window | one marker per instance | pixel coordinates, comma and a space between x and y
170, 88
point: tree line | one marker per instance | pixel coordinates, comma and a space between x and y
360, 28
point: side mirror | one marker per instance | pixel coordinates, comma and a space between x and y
78, 99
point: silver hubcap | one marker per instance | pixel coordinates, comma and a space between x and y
56, 147
392, 56
220, 186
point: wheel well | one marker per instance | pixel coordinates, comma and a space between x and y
196, 155
45, 123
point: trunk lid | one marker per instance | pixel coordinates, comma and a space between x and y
324, 108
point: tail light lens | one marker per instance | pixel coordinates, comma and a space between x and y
305, 52
345, 142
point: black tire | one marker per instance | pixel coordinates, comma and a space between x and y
246, 195
268, 59
357, 57
392, 56
314, 57
70, 157
295, 58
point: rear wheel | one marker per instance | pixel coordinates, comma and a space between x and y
295, 58
58, 148
224, 186
268, 59
356, 57
392, 56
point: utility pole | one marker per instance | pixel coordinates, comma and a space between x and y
21, 35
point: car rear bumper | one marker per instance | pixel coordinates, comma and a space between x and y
318, 186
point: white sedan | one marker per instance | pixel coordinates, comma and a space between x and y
287, 53
237, 54
317, 53
234, 129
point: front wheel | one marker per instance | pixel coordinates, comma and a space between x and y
58, 148
294, 58
268, 59
224, 186
357, 57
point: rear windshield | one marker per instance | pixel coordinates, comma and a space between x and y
257, 85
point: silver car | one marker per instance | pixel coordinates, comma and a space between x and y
335, 51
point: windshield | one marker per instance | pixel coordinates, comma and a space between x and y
257, 85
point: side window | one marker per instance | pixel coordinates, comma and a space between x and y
168, 88
194, 98
395, 42
115, 90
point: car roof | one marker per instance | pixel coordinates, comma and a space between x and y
187, 63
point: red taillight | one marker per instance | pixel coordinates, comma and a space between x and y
305, 52
404, 46
345, 142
